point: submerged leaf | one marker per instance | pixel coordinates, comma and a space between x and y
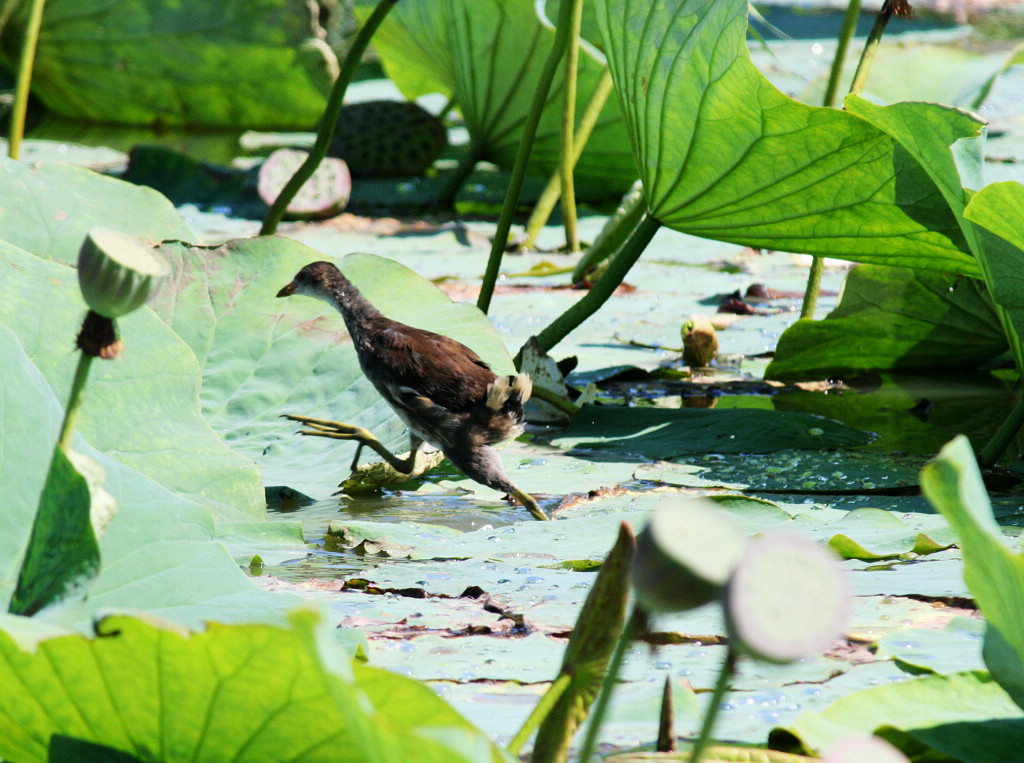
668, 432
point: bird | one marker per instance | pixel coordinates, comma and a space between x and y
442, 390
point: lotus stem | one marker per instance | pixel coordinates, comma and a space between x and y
599, 293
629, 632
329, 121
453, 180
813, 288
549, 196
889, 9
28, 57
67, 429
567, 156
997, 445
555, 400
540, 711
515, 183
553, 191
617, 230
721, 686
842, 44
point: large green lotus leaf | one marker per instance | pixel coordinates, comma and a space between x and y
669, 432
893, 319
230, 64
723, 154
994, 574
413, 47
142, 409
67, 520
254, 692
46, 208
998, 209
964, 715
263, 357
488, 55
158, 553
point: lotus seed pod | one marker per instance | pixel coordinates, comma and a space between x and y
117, 273
324, 195
388, 138
685, 555
700, 343
788, 598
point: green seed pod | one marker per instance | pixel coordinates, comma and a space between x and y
685, 555
117, 272
788, 597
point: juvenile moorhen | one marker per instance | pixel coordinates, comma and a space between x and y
441, 389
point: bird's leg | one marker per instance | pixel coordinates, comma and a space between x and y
529, 502
363, 436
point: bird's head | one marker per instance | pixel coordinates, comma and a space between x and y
315, 280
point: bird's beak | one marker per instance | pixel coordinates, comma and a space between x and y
288, 290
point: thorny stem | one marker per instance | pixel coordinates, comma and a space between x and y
330, 119
515, 183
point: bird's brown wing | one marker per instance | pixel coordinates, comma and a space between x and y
430, 365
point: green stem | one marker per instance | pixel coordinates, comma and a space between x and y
453, 180
540, 712
444, 112
721, 686
813, 288
625, 220
567, 156
330, 119
515, 183
608, 685
564, 324
871, 46
28, 57
995, 447
67, 430
555, 400
842, 44
553, 190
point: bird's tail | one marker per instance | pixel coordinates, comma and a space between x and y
509, 392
